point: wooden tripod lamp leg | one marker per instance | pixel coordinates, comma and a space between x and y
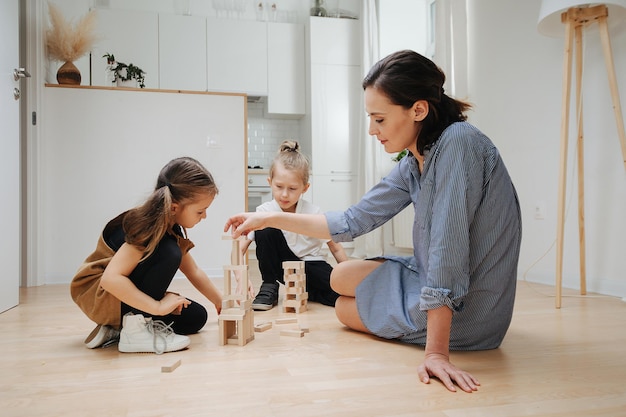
567, 79
581, 159
608, 59
575, 20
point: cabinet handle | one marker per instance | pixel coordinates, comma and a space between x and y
341, 180
341, 172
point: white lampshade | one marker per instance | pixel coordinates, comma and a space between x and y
550, 24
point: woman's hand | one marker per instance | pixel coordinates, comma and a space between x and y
439, 366
172, 303
244, 223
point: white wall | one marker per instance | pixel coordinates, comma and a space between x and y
515, 78
101, 155
402, 25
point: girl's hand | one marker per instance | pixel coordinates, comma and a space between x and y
437, 365
172, 303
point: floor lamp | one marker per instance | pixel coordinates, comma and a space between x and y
556, 15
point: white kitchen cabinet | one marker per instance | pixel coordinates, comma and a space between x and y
335, 103
182, 52
335, 110
335, 41
286, 69
237, 56
333, 192
131, 36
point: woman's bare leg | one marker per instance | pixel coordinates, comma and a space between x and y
344, 279
347, 275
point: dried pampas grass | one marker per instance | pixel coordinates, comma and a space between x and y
68, 43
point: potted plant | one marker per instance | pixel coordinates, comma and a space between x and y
400, 155
124, 73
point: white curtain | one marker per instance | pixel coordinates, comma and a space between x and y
451, 45
368, 169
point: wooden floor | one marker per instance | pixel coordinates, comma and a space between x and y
569, 362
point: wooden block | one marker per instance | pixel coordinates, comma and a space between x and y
285, 320
293, 265
298, 296
236, 327
298, 309
229, 237
172, 367
295, 290
231, 314
292, 332
294, 277
261, 327
293, 303
235, 268
305, 329
236, 303
231, 297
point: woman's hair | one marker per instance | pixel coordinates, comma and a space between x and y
181, 181
290, 157
406, 77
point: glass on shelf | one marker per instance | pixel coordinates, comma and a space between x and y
318, 9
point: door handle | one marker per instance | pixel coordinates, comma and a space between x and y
20, 73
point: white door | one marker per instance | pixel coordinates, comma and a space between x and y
9, 156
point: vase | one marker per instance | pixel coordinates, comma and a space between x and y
68, 74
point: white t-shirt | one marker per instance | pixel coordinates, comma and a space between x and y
304, 247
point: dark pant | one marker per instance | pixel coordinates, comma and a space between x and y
154, 275
272, 250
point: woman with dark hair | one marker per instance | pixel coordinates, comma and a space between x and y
457, 290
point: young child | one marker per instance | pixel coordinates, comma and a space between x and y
289, 179
123, 283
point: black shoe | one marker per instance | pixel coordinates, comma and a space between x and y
267, 297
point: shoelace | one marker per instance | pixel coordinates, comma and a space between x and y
113, 337
162, 330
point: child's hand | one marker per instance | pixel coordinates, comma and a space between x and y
172, 303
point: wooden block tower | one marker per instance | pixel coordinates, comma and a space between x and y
236, 321
296, 295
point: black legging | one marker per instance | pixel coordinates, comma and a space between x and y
154, 275
272, 250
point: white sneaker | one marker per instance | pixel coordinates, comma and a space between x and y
102, 335
140, 334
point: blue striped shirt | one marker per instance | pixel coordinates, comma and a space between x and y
466, 232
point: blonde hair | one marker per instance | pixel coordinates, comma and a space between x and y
290, 157
181, 181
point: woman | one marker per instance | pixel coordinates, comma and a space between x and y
457, 291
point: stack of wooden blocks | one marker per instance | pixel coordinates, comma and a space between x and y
236, 321
296, 295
